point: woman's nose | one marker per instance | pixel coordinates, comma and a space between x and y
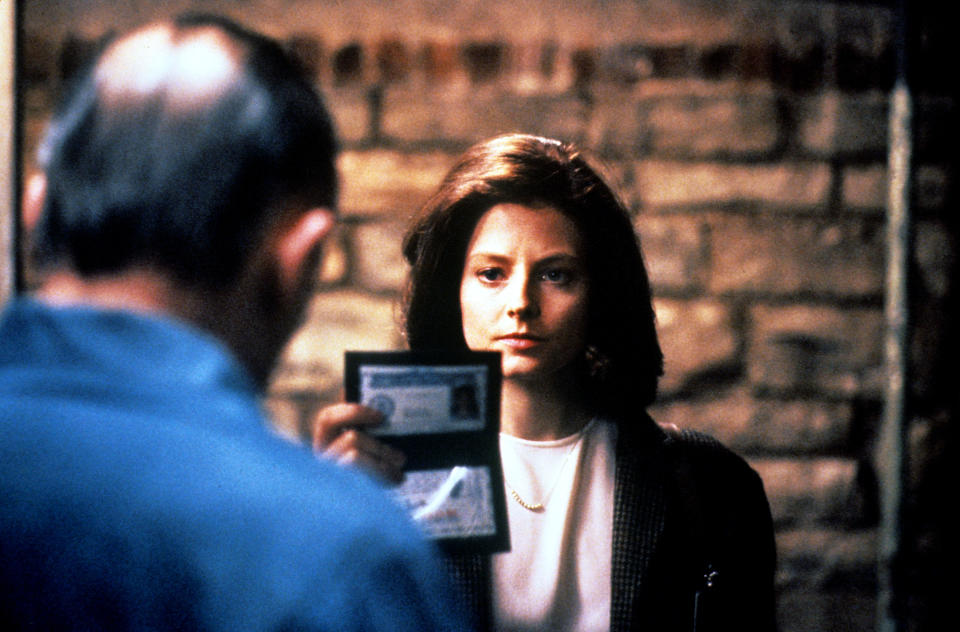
521, 298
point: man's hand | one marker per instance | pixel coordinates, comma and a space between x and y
338, 434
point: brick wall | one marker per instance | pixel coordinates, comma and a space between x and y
749, 139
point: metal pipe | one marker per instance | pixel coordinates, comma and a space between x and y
892, 453
9, 172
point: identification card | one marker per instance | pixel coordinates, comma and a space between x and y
442, 410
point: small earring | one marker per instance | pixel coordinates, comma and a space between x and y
597, 363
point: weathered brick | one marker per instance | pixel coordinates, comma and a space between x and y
336, 321
665, 183
439, 60
865, 50
585, 63
931, 186
832, 124
547, 58
350, 109
671, 61
719, 61
334, 264
819, 491
763, 426
393, 60
384, 182
800, 48
816, 558
681, 326
484, 60
935, 255
423, 113
728, 417
800, 425
749, 60
787, 255
615, 125
799, 71
865, 187
452, 115
674, 250
809, 348
832, 609
735, 125
558, 66
528, 76
685, 118
826, 580
348, 63
378, 264
539, 68
626, 64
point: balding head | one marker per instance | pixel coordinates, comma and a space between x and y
176, 148
183, 67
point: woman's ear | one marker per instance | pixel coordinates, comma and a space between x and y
34, 194
298, 241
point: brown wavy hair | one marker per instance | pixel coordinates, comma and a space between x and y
623, 360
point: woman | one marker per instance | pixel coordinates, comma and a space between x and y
615, 523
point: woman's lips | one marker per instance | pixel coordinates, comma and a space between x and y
519, 342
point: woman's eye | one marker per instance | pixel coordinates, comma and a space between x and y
490, 275
559, 276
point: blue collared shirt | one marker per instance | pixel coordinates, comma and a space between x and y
141, 488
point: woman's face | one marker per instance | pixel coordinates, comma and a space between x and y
524, 290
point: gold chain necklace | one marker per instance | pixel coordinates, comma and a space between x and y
541, 506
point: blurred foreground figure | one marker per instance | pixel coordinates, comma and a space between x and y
188, 182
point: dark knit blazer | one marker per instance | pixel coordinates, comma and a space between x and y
693, 545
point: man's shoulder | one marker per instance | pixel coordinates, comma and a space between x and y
312, 526
186, 456
280, 480
219, 509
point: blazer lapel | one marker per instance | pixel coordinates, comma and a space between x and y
471, 578
639, 510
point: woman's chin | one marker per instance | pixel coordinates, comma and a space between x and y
521, 370
528, 370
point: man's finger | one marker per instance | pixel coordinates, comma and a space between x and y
331, 421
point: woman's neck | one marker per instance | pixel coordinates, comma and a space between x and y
542, 411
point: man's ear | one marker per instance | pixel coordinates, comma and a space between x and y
34, 194
298, 241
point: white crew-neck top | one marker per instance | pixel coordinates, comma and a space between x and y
557, 574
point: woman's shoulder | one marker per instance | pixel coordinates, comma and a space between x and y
696, 443
705, 456
718, 510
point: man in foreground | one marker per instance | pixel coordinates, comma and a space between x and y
188, 182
